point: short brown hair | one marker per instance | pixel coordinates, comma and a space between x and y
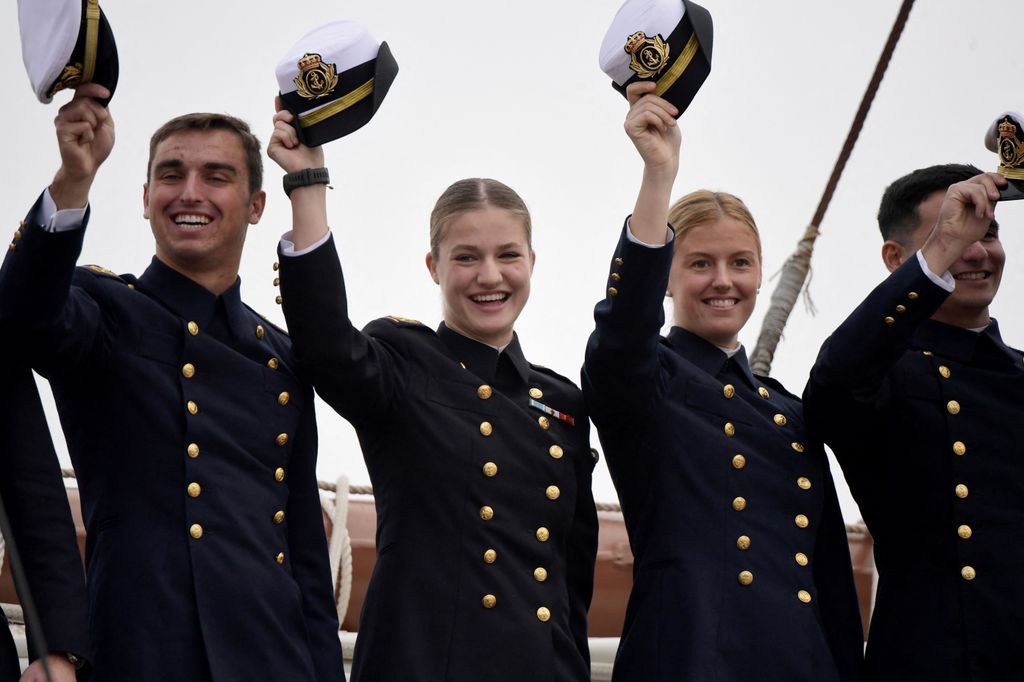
703, 207
206, 122
472, 194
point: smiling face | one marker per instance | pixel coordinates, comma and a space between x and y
199, 204
977, 272
483, 264
714, 280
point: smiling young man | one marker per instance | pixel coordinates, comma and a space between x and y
920, 399
194, 441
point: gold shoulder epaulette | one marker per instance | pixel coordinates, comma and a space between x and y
404, 320
100, 270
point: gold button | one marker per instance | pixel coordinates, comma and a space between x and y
192, 450
279, 474
801, 521
489, 601
739, 461
277, 266
964, 532
739, 503
728, 391
612, 291
260, 331
729, 429
484, 392
194, 489
552, 492
279, 517
959, 449
961, 491
543, 534
279, 558
779, 419
283, 398
953, 407
543, 614
804, 596
486, 513
540, 574
801, 559
555, 451
490, 556
803, 483
544, 422
799, 447
743, 542
277, 281
763, 392
745, 577
196, 531
968, 573
193, 328
901, 308
282, 439
536, 393
912, 295
944, 371
490, 469
17, 235
889, 319
926, 352
615, 277
618, 261
278, 300
188, 370
272, 363
192, 407
11, 247
486, 429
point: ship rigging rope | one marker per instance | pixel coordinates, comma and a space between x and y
798, 266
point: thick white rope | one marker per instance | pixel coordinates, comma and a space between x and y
340, 547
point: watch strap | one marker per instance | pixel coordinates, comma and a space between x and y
304, 178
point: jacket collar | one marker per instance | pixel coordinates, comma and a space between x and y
956, 342
481, 359
191, 301
707, 356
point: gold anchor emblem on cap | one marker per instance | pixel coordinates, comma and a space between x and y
316, 79
648, 55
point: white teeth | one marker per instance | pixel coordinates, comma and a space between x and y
191, 220
489, 298
721, 302
971, 275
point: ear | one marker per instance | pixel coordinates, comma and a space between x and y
533, 259
432, 267
257, 202
145, 200
893, 254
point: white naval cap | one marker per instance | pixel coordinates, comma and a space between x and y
66, 43
667, 41
334, 80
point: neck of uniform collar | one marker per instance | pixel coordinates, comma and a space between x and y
481, 358
708, 356
189, 299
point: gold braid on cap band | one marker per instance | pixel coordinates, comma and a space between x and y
677, 69
338, 106
92, 36
1011, 173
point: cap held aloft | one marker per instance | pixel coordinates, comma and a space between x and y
666, 41
66, 43
334, 80
1005, 137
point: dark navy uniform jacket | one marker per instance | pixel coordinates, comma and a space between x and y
927, 421
195, 448
486, 525
742, 569
37, 505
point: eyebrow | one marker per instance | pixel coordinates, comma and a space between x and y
473, 247
209, 166
702, 254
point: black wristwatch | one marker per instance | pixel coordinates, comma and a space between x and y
304, 178
75, 660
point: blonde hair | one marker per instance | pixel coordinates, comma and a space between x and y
703, 207
469, 195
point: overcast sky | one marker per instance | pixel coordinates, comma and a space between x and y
512, 90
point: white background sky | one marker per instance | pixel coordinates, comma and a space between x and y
512, 90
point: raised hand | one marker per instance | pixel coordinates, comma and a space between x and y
85, 136
652, 128
284, 146
965, 217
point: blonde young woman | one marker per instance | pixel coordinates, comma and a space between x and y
742, 570
480, 461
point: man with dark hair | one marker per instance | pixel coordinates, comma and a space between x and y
921, 402
193, 439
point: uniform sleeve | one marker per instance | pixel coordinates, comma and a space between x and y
349, 369
581, 552
621, 369
36, 501
58, 326
307, 544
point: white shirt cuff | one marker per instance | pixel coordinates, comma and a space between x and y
288, 246
631, 237
945, 280
63, 220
